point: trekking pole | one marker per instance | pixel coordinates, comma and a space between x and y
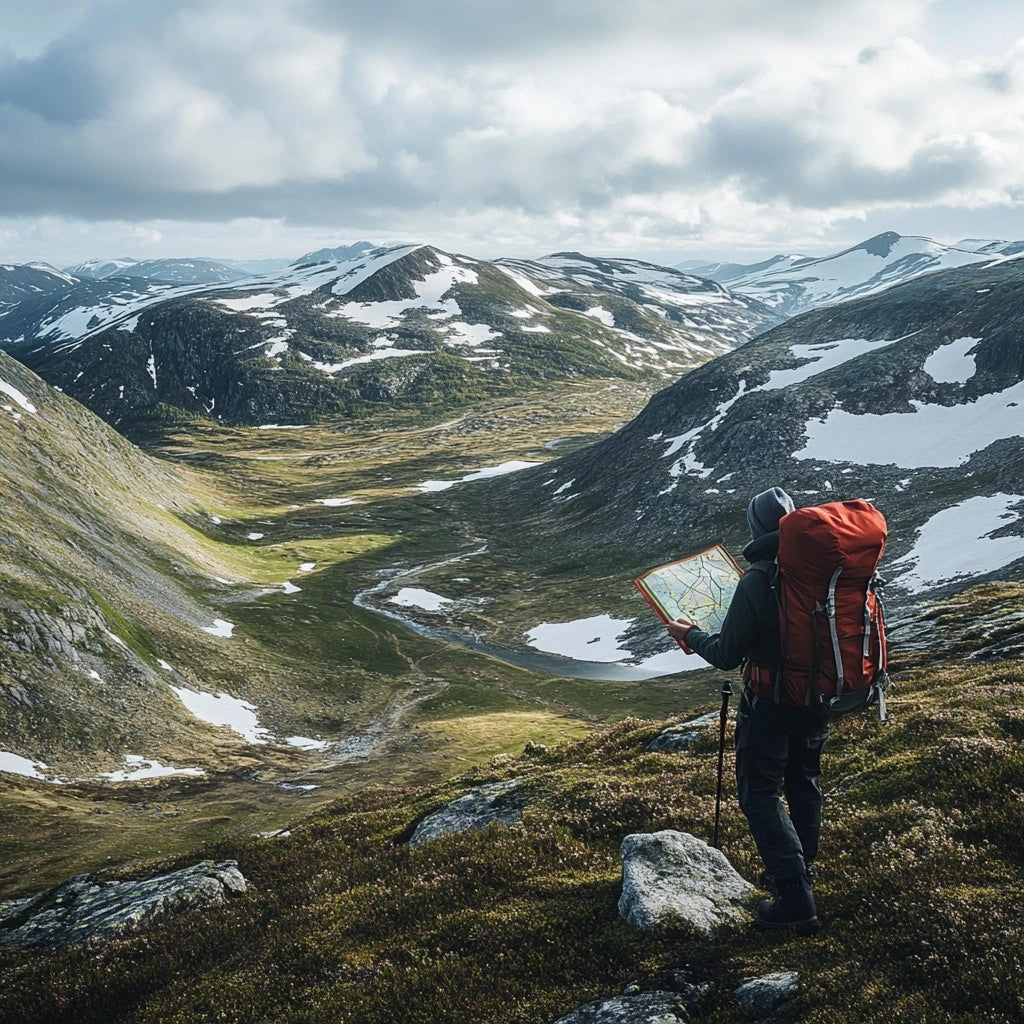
723, 718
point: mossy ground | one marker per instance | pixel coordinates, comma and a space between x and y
918, 885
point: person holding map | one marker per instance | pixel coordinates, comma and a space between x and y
778, 746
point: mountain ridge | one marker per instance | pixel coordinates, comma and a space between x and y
794, 284
781, 380
408, 326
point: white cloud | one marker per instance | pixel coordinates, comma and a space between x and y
508, 127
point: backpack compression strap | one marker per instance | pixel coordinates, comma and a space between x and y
834, 631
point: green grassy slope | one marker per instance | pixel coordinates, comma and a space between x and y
919, 883
102, 541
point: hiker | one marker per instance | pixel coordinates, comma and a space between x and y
778, 745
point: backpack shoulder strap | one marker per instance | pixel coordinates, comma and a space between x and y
769, 566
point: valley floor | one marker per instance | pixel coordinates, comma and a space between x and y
316, 696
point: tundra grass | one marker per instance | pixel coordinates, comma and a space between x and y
917, 885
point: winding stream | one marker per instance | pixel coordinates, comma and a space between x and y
536, 661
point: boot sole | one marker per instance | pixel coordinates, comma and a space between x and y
802, 928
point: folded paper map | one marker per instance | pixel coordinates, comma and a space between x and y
698, 588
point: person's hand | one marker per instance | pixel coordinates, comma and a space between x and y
678, 629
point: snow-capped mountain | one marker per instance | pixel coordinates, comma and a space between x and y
338, 254
913, 398
169, 271
792, 284
657, 309
407, 324
100, 268
19, 282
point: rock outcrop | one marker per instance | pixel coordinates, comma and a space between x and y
683, 734
640, 1008
676, 999
769, 994
673, 877
86, 910
497, 801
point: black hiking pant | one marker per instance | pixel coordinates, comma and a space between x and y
778, 751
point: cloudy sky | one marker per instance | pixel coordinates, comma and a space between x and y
663, 129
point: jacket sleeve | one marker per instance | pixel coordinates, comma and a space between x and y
748, 623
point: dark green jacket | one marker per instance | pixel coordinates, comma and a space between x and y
751, 626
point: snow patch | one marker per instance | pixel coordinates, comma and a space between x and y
220, 627
596, 638
430, 294
471, 335
591, 639
908, 440
265, 300
15, 764
820, 357
599, 313
952, 363
305, 743
137, 768
223, 710
957, 543
513, 466
12, 392
414, 597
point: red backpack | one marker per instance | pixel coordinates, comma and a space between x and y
831, 621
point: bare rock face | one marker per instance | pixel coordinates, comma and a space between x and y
85, 910
674, 877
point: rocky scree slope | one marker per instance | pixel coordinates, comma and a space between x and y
409, 326
913, 398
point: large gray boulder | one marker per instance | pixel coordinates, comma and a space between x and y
85, 910
674, 877
496, 801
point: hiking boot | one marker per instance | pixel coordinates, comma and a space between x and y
792, 908
766, 880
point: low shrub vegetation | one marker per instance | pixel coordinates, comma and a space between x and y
919, 885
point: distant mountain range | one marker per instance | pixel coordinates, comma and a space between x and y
349, 330
167, 271
793, 284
